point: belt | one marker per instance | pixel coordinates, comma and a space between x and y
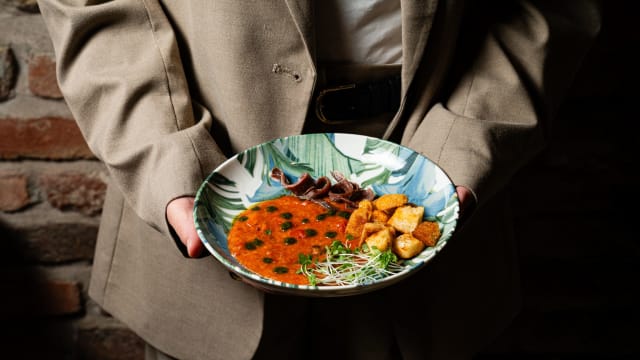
357, 101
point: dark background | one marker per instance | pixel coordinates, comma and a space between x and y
576, 214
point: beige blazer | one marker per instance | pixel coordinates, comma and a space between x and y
165, 90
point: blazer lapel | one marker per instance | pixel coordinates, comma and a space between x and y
302, 13
417, 19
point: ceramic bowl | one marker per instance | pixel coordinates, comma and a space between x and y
385, 167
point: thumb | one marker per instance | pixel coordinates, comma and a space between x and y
467, 202
180, 217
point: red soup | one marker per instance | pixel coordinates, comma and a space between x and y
269, 237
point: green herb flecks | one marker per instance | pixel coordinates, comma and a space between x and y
286, 225
280, 270
310, 232
254, 244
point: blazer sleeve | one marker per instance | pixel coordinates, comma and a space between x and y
496, 115
119, 69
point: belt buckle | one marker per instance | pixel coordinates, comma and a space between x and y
320, 106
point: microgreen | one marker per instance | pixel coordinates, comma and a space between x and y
343, 266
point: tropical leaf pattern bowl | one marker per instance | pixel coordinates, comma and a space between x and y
385, 167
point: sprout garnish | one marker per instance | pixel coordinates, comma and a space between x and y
343, 266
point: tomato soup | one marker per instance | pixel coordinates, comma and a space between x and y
269, 237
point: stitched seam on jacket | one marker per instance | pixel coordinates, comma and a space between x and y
197, 154
446, 139
168, 85
164, 62
464, 110
115, 248
467, 96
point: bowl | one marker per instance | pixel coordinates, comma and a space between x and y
383, 166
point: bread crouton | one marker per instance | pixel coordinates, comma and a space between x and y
365, 204
406, 246
388, 202
381, 239
372, 227
358, 218
428, 232
379, 216
406, 218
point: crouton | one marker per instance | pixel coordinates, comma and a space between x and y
428, 232
406, 246
358, 218
365, 204
406, 218
379, 216
372, 227
381, 239
388, 202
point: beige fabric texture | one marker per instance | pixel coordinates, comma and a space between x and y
166, 90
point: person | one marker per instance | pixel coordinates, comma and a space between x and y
165, 91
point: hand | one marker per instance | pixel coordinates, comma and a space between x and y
180, 217
467, 202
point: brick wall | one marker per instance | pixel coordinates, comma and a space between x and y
51, 194
573, 206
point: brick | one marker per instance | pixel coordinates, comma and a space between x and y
59, 298
14, 194
51, 138
42, 77
74, 191
58, 242
109, 343
8, 72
